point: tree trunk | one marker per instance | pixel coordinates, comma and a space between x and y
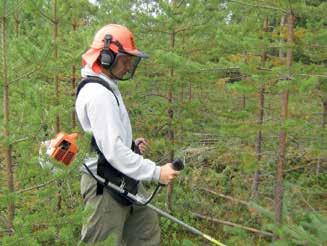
258, 149
259, 141
279, 187
182, 84
243, 97
281, 40
323, 125
318, 166
324, 115
74, 25
243, 102
73, 94
290, 39
57, 89
170, 124
190, 91
7, 148
17, 22
264, 52
56, 76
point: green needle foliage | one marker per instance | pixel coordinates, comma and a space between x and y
197, 98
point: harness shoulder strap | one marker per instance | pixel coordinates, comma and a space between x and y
97, 80
104, 168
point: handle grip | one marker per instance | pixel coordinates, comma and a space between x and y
178, 165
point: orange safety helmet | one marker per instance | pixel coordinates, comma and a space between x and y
122, 41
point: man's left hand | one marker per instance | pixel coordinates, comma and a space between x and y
142, 144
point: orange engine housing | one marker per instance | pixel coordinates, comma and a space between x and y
64, 147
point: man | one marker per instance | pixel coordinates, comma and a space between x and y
101, 111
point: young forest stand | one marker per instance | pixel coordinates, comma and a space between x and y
63, 148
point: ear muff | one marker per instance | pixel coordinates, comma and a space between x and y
107, 56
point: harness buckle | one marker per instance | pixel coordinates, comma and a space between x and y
123, 183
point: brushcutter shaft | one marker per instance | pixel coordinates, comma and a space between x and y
188, 227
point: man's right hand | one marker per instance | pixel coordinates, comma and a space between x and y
167, 174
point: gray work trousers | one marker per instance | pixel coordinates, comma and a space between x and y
114, 224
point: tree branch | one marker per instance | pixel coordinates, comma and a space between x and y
260, 6
228, 223
36, 187
19, 140
153, 31
312, 75
180, 4
225, 196
24, 76
47, 17
155, 95
190, 27
296, 74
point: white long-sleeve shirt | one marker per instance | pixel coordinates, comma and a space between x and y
99, 114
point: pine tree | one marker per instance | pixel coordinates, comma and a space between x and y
7, 146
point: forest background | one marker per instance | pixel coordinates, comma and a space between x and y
236, 88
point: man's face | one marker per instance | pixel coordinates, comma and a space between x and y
123, 64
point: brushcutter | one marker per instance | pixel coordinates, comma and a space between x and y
63, 148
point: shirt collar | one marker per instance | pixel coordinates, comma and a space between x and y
87, 71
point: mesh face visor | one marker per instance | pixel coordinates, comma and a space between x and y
124, 66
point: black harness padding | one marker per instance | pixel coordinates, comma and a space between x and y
104, 168
97, 80
109, 173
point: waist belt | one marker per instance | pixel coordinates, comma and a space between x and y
109, 173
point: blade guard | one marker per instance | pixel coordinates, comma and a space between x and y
64, 147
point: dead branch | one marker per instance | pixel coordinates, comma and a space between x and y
36, 187
295, 74
155, 95
226, 197
20, 140
228, 223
